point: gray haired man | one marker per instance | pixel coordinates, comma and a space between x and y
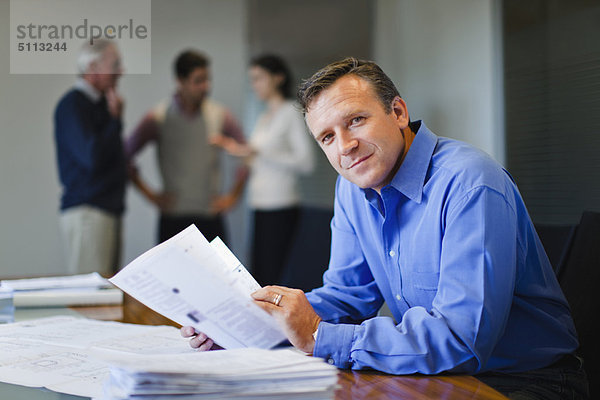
91, 165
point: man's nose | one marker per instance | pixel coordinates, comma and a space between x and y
346, 142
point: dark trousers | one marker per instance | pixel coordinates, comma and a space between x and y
272, 241
565, 379
211, 227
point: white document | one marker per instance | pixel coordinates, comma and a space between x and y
56, 352
67, 297
232, 363
57, 368
83, 333
241, 279
84, 289
92, 280
188, 281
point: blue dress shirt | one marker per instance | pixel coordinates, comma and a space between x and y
450, 247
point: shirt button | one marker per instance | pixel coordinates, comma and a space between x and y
392, 253
398, 297
330, 361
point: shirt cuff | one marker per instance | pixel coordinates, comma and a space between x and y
334, 343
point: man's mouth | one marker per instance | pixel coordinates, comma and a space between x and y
359, 161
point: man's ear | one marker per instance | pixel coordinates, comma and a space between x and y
400, 112
92, 67
279, 78
179, 82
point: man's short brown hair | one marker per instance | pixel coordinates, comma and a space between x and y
384, 87
187, 61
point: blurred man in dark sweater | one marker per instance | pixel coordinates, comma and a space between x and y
91, 166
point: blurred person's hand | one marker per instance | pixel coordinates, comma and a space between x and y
133, 172
232, 146
163, 200
114, 103
224, 203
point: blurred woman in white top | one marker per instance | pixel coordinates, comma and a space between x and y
278, 152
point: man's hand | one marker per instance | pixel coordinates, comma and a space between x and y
164, 201
294, 313
224, 203
198, 341
114, 103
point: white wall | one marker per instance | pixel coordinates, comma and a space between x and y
445, 58
29, 194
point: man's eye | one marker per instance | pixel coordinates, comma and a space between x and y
327, 138
357, 120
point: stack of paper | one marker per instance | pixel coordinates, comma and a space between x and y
224, 374
112, 360
194, 282
58, 352
7, 308
87, 289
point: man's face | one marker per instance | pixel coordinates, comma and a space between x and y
361, 139
196, 86
107, 70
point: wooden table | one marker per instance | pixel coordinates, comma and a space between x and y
353, 385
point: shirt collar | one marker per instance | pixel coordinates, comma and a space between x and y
410, 178
91, 92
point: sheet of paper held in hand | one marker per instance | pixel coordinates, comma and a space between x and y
194, 282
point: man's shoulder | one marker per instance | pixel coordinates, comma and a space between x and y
455, 153
158, 113
214, 108
69, 100
71, 95
467, 165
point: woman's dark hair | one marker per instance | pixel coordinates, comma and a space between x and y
275, 66
187, 61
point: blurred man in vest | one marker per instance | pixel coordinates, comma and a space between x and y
182, 129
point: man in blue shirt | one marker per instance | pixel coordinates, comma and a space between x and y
91, 162
437, 230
